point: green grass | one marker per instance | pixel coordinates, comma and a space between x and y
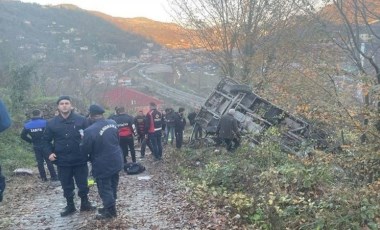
14, 152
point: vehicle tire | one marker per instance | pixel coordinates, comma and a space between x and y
235, 89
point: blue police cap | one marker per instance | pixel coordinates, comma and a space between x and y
96, 109
63, 98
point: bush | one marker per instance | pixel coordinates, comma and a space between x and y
15, 153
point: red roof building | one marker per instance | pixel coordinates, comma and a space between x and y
131, 99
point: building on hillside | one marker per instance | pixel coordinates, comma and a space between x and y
124, 81
131, 99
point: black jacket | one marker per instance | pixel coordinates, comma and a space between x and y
191, 116
125, 124
140, 124
227, 127
101, 144
33, 131
66, 138
180, 122
170, 119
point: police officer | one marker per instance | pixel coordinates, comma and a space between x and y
32, 133
101, 143
5, 122
153, 130
126, 126
64, 131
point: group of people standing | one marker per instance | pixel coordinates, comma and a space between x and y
174, 125
70, 140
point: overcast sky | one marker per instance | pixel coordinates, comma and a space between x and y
153, 9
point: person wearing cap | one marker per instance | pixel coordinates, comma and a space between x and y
126, 126
153, 130
62, 138
228, 130
32, 133
5, 123
101, 144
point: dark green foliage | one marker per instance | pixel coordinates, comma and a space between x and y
272, 190
20, 84
14, 152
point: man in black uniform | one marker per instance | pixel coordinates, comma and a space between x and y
101, 144
32, 133
65, 131
126, 126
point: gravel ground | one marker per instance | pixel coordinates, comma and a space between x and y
150, 200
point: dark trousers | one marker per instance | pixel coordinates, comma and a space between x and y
169, 131
197, 131
41, 158
155, 141
2, 185
67, 174
125, 144
231, 146
178, 138
140, 138
107, 188
144, 143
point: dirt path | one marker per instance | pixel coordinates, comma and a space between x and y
150, 200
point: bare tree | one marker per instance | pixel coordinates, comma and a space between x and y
357, 32
234, 32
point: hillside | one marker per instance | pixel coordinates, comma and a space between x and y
169, 35
60, 36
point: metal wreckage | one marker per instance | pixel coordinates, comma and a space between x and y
255, 115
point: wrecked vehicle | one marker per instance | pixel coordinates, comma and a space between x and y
255, 115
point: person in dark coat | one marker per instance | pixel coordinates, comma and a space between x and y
126, 126
228, 130
153, 130
62, 137
197, 128
180, 123
140, 126
32, 133
101, 144
170, 116
5, 122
